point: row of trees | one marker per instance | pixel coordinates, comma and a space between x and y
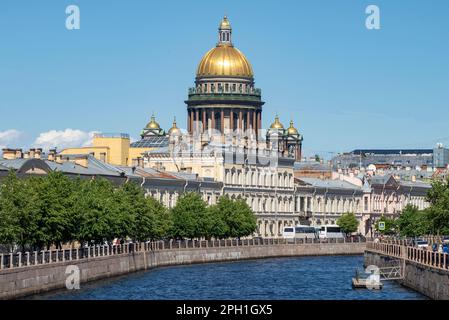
41, 211
433, 220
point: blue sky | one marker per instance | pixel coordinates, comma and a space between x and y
345, 86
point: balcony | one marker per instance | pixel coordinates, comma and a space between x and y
254, 94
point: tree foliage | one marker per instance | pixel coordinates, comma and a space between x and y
413, 222
41, 211
348, 223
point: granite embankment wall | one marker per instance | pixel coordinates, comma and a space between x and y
20, 281
424, 271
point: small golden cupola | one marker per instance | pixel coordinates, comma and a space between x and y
276, 124
153, 124
152, 129
292, 131
174, 130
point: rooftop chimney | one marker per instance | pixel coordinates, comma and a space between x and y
140, 162
82, 161
51, 155
9, 154
38, 153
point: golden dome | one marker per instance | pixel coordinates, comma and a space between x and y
292, 130
153, 124
225, 23
276, 124
174, 129
224, 60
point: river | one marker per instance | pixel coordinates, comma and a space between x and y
299, 278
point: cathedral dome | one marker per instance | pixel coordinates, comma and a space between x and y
292, 131
153, 124
174, 130
276, 124
224, 60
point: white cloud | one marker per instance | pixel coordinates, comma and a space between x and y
67, 138
9, 137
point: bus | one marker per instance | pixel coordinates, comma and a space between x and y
299, 232
288, 233
330, 231
305, 232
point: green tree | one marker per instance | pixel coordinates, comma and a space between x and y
438, 212
147, 218
241, 221
189, 217
412, 222
348, 223
93, 202
217, 213
52, 203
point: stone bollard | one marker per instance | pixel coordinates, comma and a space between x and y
28, 258
1, 262
63, 255
19, 255
35, 257
171, 244
11, 262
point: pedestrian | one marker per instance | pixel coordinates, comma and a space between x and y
445, 248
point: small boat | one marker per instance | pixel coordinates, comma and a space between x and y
358, 283
361, 283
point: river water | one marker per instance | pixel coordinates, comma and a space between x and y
299, 278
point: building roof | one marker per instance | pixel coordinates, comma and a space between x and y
94, 167
419, 184
151, 142
311, 165
392, 151
328, 183
15, 164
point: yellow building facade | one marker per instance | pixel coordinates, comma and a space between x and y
113, 149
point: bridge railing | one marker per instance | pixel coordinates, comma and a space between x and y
34, 258
421, 256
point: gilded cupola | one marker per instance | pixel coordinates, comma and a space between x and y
276, 124
224, 60
153, 124
291, 131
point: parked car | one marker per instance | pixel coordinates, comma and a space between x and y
420, 243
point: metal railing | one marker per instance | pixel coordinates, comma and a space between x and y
421, 256
34, 258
